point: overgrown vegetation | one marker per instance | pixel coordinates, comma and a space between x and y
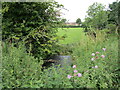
30, 35
24, 70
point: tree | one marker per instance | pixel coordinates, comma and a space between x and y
78, 21
63, 20
97, 16
114, 13
35, 23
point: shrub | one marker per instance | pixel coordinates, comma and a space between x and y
111, 27
34, 22
20, 69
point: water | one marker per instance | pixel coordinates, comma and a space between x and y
63, 60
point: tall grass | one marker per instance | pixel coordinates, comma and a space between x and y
107, 73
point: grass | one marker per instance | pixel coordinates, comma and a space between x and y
72, 35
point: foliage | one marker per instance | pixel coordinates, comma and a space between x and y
78, 21
114, 14
64, 20
19, 69
106, 75
95, 59
35, 23
111, 27
97, 16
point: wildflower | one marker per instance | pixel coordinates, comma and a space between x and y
93, 54
75, 71
104, 49
96, 66
69, 76
75, 74
97, 52
74, 66
103, 56
79, 74
92, 59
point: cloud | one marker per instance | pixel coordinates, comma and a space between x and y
78, 8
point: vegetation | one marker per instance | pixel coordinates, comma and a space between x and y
70, 35
36, 26
97, 16
78, 21
31, 34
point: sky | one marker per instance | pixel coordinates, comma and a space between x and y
77, 8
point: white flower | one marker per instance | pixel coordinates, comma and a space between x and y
96, 66
93, 54
92, 59
74, 66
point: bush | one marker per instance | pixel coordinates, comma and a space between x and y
111, 27
20, 69
35, 23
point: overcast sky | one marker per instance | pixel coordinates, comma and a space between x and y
78, 8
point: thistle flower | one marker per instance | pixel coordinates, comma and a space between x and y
74, 66
93, 54
75, 71
104, 49
75, 74
69, 76
103, 56
79, 75
97, 52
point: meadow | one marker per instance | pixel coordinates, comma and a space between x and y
73, 35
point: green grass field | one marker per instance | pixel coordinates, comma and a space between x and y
73, 35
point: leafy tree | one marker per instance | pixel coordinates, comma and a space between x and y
86, 24
35, 23
78, 21
63, 20
97, 16
114, 14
